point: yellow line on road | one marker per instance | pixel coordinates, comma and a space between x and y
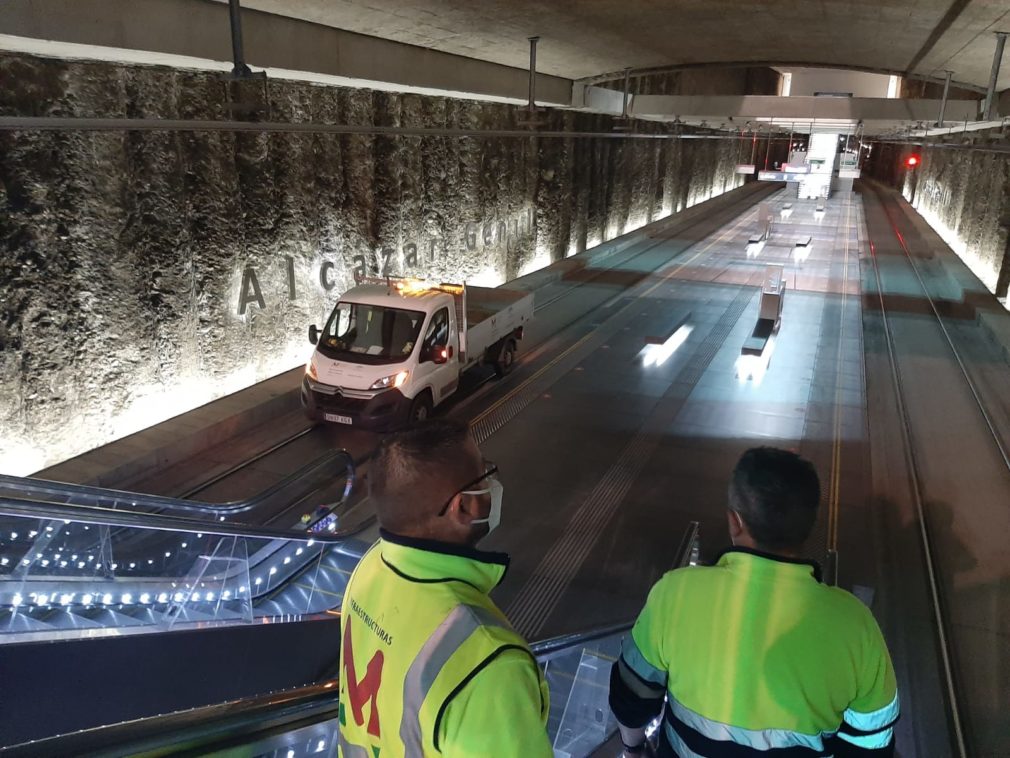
834, 486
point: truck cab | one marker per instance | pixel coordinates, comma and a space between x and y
392, 350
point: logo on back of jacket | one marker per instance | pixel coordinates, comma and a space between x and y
363, 691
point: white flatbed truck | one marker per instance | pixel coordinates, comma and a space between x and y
394, 349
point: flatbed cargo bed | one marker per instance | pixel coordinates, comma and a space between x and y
491, 315
484, 302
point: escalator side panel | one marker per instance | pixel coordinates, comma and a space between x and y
78, 684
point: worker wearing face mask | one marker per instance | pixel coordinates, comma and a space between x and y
428, 664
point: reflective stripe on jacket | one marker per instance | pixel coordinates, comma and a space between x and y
753, 655
429, 665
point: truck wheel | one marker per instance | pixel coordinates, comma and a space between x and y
420, 408
506, 359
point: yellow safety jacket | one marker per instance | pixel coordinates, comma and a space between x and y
428, 664
755, 657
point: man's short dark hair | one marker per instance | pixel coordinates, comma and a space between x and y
776, 493
413, 472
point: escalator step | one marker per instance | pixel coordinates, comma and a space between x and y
16, 623
58, 618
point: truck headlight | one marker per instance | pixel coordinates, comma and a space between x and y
386, 382
310, 370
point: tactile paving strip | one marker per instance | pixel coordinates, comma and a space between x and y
532, 606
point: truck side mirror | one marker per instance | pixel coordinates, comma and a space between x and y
441, 354
313, 334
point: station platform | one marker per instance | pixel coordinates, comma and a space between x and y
888, 371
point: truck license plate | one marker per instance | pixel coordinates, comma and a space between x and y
338, 419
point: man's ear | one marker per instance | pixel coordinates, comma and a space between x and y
462, 509
736, 526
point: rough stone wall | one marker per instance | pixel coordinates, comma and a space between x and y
145, 273
918, 89
964, 195
758, 80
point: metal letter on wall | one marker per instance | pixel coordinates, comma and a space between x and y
387, 260
292, 294
410, 255
512, 240
251, 292
359, 267
324, 276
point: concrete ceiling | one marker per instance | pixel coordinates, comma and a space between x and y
587, 38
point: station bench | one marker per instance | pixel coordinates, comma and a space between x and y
665, 335
801, 249
755, 244
758, 340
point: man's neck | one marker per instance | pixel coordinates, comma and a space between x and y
750, 544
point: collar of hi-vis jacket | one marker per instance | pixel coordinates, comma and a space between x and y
760, 561
430, 561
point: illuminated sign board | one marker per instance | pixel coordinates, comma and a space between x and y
775, 176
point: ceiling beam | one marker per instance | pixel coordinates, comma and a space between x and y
196, 34
673, 68
956, 9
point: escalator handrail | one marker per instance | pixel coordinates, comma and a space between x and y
245, 718
90, 514
545, 650
86, 494
200, 728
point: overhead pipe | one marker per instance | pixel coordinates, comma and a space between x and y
943, 102
56, 123
627, 85
531, 106
989, 112
239, 68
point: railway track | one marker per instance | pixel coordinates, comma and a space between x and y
952, 678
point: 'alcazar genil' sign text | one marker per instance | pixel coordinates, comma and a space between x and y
389, 261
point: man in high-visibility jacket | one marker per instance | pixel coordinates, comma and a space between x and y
754, 656
428, 664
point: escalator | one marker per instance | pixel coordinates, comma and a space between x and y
91, 586
84, 558
303, 721
115, 609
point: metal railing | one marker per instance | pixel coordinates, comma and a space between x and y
93, 515
86, 495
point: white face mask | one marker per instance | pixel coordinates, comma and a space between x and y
494, 515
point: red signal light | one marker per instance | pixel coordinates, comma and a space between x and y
912, 161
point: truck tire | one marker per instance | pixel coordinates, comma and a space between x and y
506, 359
420, 408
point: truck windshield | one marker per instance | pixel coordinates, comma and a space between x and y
371, 334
